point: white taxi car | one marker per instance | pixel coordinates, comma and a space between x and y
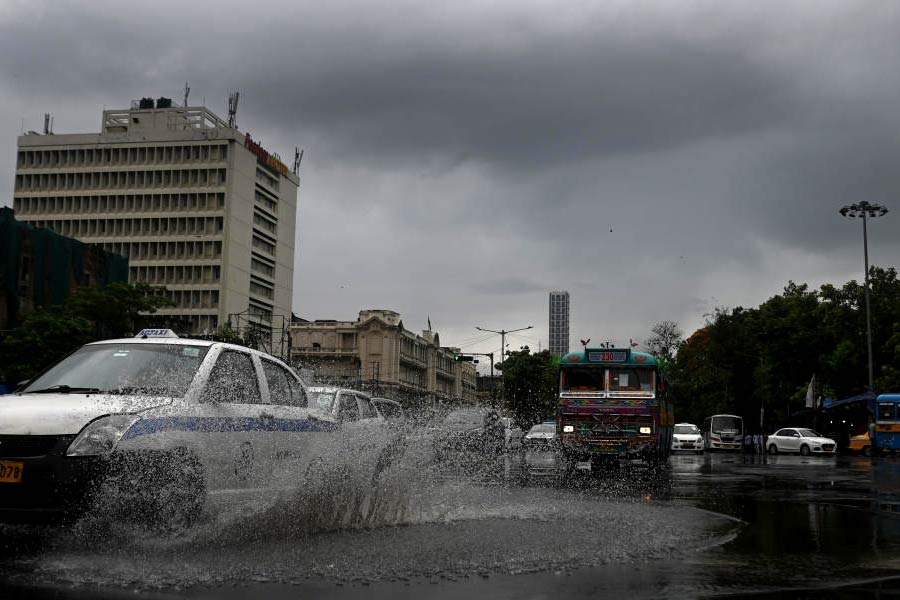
687, 436
157, 422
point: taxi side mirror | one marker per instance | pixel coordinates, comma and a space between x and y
21, 385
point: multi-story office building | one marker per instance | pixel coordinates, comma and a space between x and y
559, 323
193, 203
378, 353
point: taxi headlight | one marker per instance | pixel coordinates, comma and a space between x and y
101, 436
646, 430
568, 429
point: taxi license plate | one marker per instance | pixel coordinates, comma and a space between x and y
11, 472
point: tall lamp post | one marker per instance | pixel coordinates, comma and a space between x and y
865, 210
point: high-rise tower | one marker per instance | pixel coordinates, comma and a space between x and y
559, 323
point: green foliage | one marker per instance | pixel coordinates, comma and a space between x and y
44, 337
228, 334
745, 359
92, 313
530, 386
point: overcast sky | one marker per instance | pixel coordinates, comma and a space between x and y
656, 159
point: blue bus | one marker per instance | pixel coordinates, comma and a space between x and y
887, 422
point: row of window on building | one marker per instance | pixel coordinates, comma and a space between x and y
176, 274
193, 299
121, 155
160, 178
189, 250
157, 227
120, 203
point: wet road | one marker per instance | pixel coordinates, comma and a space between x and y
714, 525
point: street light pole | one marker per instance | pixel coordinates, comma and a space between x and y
502, 334
866, 211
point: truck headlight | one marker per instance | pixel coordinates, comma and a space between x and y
646, 430
568, 429
101, 435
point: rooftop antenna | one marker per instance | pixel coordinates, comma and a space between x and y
187, 91
46, 123
298, 158
232, 109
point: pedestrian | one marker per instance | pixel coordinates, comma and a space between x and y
759, 443
872, 437
748, 444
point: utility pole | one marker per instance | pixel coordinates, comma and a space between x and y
502, 334
865, 211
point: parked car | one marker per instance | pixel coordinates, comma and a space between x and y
390, 410
861, 443
687, 436
477, 430
344, 405
150, 426
802, 440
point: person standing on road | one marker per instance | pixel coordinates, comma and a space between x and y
759, 443
872, 440
748, 444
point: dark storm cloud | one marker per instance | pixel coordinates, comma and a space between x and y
507, 286
657, 159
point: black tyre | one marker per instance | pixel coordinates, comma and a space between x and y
773, 449
867, 451
804, 450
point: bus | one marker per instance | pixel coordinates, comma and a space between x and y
613, 404
723, 432
887, 422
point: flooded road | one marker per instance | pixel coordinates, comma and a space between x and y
712, 525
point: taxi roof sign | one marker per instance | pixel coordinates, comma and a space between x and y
156, 333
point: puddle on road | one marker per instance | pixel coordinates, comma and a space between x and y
341, 523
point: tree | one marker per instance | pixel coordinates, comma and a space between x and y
92, 313
664, 341
44, 337
530, 386
116, 309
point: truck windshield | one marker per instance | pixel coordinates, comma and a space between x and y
139, 369
582, 380
621, 379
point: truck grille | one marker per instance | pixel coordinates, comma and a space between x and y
22, 446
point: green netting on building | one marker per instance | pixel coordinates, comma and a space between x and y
39, 267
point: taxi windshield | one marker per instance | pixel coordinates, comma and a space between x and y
138, 369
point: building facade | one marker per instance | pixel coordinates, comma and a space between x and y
194, 204
40, 268
559, 323
377, 353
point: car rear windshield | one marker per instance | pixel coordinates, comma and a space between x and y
137, 369
544, 428
322, 401
465, 417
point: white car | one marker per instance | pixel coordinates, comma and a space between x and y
157, 422
344, 405
687, 436
540, 436
802, 440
